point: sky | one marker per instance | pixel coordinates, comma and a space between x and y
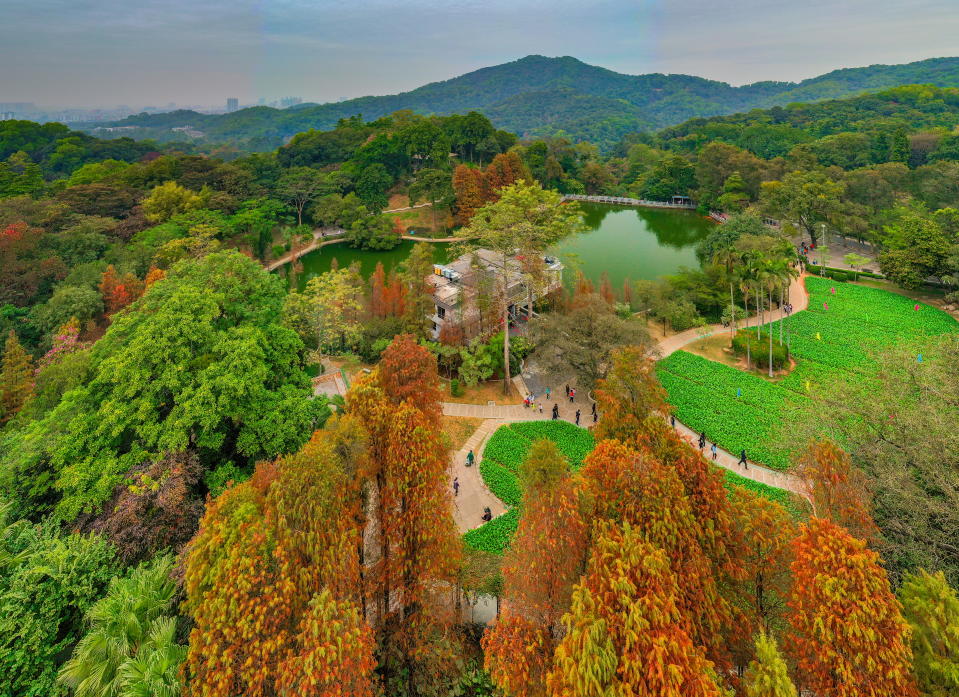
153, 52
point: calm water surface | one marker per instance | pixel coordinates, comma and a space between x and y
625, 242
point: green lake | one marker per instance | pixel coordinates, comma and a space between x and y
623, 241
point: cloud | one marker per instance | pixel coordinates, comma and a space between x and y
101, 52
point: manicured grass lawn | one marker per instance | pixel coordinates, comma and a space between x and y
742, 410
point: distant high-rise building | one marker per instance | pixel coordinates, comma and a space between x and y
232, 104
290, 101
261, 101
7, 116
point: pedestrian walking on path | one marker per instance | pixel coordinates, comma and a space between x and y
456, 486
742, 459
672, 421
555, 412
469, 458
594, 408
572, 395
713, 449
547, 394
540, 407
702, 440
577, 417
595, 417
567, 390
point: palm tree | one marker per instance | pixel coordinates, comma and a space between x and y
745, 285
132, 633
729, 258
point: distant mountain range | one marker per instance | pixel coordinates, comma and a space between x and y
537, 96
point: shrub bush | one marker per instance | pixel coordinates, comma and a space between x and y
759, 349
277, 250
455, 389
838, 275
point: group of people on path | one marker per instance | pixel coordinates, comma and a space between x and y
713, 449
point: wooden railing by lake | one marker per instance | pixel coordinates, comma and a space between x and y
626, 201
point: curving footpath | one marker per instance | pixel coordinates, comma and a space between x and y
474, 495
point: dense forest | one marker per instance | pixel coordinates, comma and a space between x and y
179, 514
540, 96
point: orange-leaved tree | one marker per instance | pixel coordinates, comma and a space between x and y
256, 572
408, 373
544, 561
378, 301
762, 552
471, 190
626, 632
839, 490
630, 397
847, 634
636, 488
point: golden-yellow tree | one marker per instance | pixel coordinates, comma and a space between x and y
626, 633
544, 561
847, 634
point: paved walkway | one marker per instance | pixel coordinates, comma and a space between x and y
796, 294
474, 496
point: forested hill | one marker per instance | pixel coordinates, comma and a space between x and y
537, 96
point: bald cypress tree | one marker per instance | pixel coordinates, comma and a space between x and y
767, 675
16, 378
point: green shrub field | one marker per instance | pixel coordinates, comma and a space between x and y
833, 336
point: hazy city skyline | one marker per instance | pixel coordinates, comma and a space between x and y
104, 53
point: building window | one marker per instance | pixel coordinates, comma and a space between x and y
441, 312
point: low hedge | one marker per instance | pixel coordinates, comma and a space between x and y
759, 349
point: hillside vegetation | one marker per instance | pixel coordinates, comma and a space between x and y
537, 95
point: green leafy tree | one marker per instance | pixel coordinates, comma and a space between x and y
130, 648
931, 607
200, 360
526, 220
372, 232
47, 583
170, 199
299, 186
808, 199
336, 306
916, 247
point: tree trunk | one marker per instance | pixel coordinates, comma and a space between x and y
770, 332
759, 315
506, 375
782, 314
732, 314
746, 331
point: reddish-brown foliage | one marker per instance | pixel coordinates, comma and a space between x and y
544, 561
506, 168
848, 637
26, 268
606, 289
641, 490
153, 275
471, 190
266, 550
158, 508
118, 292
408, 373
378, 304
630, 398
840, 491
764, 532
